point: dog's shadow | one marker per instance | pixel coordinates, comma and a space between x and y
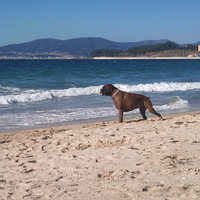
135, 120
139, 120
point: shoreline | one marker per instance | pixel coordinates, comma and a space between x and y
140, 58
113, 119
127, 116
138, 159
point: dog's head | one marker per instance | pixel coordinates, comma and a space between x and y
107, 90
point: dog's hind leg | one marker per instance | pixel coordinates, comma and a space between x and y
142, 111
149, 106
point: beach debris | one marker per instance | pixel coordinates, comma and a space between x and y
118, 174
178, 123
59, 178
32, 161
82, 146
43, 147
28, 171
46, 137
5, 141
145, 189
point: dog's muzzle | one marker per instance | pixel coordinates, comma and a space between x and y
101, 92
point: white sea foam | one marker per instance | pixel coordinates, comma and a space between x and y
176, 104
40, 95
20, 96
160, 87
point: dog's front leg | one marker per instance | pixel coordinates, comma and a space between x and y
120, 116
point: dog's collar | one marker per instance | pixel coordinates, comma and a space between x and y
115, 94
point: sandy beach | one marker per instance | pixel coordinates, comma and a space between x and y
136, 160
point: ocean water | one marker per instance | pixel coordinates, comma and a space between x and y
43, 93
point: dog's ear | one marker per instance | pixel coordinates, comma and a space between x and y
113, 87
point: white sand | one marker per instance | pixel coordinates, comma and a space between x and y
140, 160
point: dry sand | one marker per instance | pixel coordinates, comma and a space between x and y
137, 159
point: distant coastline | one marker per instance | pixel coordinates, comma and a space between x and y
100, 58
135, 58
89, 48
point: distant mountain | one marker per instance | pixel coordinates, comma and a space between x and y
182, 45
75, 47
197, 43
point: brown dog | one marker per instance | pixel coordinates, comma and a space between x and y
125, 101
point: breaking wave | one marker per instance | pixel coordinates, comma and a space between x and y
160, 87
9, 95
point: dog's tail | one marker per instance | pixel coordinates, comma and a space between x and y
149, 106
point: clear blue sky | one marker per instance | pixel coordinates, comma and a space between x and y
116, 20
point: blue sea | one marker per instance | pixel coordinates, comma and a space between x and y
44, 93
